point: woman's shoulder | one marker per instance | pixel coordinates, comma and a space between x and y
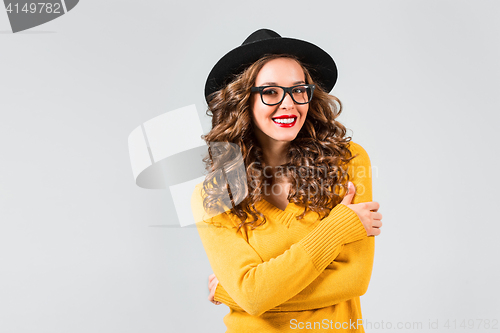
359, 153
220, 216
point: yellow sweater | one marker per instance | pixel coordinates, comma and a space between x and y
293, 275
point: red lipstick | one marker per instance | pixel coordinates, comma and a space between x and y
288, 120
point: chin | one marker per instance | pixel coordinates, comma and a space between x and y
288, 138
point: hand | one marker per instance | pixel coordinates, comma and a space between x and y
366, 211
212, 285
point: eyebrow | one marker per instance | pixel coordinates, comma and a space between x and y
275, 84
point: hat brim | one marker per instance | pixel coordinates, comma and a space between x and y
321, 64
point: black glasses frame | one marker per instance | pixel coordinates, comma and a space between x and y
287, 90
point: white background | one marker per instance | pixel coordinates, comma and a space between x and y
83, 249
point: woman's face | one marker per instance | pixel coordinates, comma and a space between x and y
284, 72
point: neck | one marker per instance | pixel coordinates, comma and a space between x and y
275, 154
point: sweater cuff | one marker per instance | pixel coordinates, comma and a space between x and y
340, 227
222, 296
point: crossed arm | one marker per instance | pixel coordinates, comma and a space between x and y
340, 281
317, 272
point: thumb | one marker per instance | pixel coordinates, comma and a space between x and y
350, 194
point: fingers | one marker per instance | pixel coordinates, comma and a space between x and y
377, 224
372, 205
211, 299
350, 194
374, 232
212, 286
369, 216
376, 216
212, 295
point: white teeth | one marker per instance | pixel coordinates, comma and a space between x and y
284, 121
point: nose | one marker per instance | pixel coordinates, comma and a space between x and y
287, 102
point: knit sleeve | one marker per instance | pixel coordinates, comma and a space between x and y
339, 282
345, 278
256, 285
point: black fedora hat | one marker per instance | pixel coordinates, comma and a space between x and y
265, 41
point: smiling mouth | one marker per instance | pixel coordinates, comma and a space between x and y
285, 122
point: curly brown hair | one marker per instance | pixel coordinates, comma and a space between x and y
317, 156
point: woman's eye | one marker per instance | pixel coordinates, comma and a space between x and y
269, 92
299, 90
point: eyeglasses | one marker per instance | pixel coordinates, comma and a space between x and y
273, 95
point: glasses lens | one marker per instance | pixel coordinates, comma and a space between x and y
302, 94
272, 95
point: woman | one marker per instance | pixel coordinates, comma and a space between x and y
292, 252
